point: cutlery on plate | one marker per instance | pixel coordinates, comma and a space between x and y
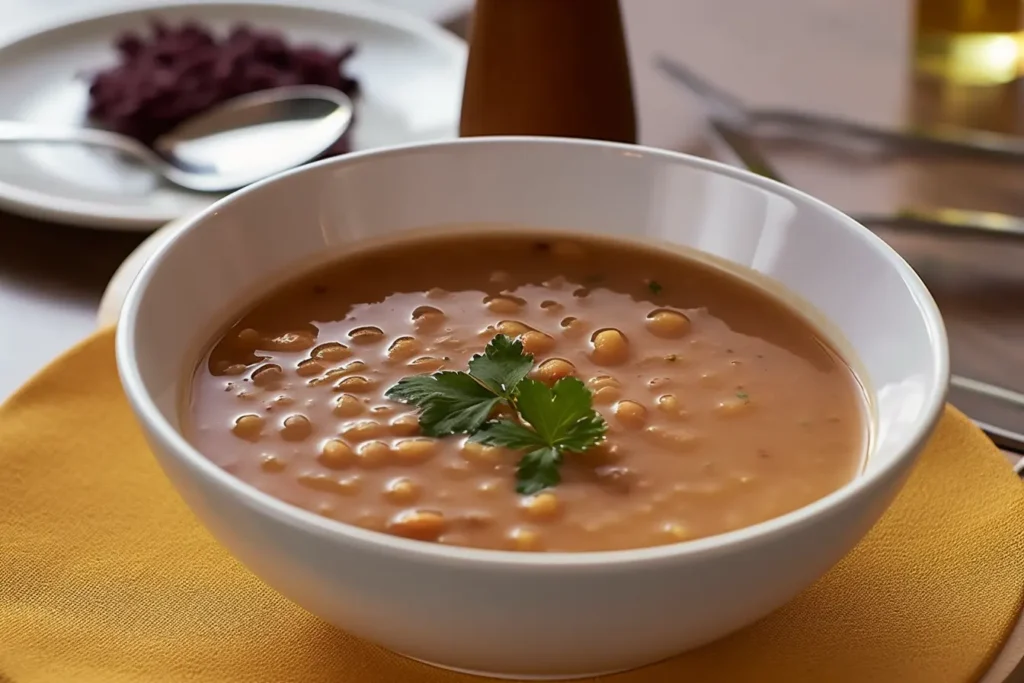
951, 222
732, 123
231, 145
799, 124
749, 156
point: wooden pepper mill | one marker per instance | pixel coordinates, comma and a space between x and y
548, 67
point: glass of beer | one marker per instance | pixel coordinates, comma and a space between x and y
973, 42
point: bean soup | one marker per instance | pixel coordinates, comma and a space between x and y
524, 390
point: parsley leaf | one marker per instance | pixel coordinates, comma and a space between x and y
502, 366
457, 402
562, 419
509, 434
538, 470
553, 420
449, 402
563, 415
654, 286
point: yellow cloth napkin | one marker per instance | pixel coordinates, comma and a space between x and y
105, 576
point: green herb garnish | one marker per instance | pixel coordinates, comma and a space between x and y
549, 422
561, 419
460, 402
502, 366
654, 286
742, 395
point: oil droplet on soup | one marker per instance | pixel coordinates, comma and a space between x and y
723, 406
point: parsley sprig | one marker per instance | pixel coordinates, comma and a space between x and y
549, 421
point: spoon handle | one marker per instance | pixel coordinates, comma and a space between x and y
941, 139
949, 221
938, 220
24, 132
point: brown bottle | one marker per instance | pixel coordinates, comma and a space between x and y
548, 67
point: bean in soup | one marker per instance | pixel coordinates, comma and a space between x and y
713, 406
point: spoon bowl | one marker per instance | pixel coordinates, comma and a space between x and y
258, 135
227, 147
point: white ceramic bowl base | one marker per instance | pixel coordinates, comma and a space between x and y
522, 615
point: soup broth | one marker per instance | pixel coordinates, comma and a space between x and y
723, 406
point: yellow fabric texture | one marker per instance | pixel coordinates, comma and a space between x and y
106, 577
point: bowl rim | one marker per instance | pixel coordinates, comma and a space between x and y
174, 442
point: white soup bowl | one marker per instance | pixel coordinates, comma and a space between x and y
537, 614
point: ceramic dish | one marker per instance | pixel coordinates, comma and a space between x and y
411, 71
538, 614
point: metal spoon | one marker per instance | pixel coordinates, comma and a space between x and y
232, 145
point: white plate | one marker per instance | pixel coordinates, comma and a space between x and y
411, 72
